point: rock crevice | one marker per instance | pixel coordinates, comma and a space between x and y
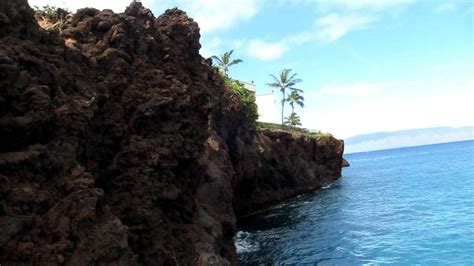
119, 144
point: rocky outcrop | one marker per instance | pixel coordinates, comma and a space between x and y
120, 145
278, 165
345, 163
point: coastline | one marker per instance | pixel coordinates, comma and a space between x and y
117, 136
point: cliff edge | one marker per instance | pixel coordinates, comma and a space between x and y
119, 144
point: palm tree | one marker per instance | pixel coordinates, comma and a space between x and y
293, 120
293, 98
224, 62
284, 82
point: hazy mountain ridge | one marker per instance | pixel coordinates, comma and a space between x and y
407, 138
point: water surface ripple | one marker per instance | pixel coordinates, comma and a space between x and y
401, 206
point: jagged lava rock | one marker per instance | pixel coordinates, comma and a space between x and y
278, 165
119, 144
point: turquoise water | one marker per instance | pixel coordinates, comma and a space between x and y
401, 206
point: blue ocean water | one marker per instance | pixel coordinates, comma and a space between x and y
402, 206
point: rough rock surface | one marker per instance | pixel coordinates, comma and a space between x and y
120, 145
279, 165
345, 163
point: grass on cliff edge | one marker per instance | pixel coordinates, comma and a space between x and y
290, 129
51, 17
299, 131
246, 98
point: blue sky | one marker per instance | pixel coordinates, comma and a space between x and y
366, 65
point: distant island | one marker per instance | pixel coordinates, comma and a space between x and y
407, 138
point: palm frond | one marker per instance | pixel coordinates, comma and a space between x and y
276, 79
273, 85
296, 80
295, 89
235, 61
292, 76
284, 75
217, 59
224, 60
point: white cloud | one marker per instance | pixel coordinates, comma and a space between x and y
237, 44
266, 50
395, 114
294, 2
72, 5
330, 27
359, 89
334, 26
299, 38
440, 68
216, 15
362, 4
343, 16
211, 47
450, 106
470, 85
350, 4
446, 7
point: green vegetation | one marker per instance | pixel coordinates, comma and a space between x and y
224, 62
285, 82
278, 127
51, 13
247, 99
52, 17
295, 98
291, 129
293, 120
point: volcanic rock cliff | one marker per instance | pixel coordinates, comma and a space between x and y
119, 144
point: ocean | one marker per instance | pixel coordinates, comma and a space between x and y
400, 206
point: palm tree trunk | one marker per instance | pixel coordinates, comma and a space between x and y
282, 107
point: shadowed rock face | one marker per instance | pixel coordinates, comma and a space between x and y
279, 165
119, 144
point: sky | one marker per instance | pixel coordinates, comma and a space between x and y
366, 65
407, 138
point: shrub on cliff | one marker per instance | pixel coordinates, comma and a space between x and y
292, 129
51, 17
52, 13
247, 99
293, 120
